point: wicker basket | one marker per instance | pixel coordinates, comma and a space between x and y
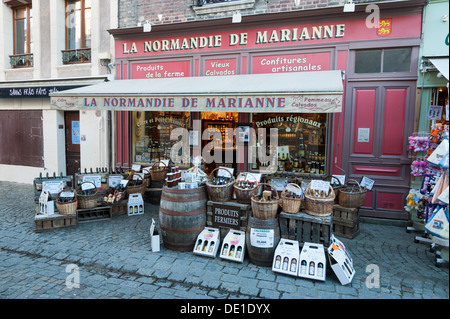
244, 196
135, 188
220, 193
335, 188
352, 197
67, 208
87, 201
265, 209
319, 206
159, 173
291, 205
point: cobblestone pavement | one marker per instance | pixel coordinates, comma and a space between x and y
115, 261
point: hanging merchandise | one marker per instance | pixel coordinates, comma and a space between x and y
440, 153
440, 187
418, 167
438, 222
419, 142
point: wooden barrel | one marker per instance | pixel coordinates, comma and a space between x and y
182, 216
262, 237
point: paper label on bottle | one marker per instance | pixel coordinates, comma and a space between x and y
261, 238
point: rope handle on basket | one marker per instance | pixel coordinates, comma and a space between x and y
212, 173
67, 190
261, 184
295, 185
340, 184
96, 190
352, 180
157, 163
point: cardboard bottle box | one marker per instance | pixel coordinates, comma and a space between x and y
135, 204
286, 257
340, 261
154, 238
233, 247
312, 262
207, 243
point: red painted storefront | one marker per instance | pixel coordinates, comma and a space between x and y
368, 138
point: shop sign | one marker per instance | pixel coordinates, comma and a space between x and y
225, 216
262, 238
308, 103
159, 70
291, 63
32, 91
220, 67
160, 120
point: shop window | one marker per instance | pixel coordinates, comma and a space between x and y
151, 134
383, 60
23, 41
78, 32
301, 141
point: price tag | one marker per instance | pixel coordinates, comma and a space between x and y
96, 179
223, 171
367, 183
336, 178
261, 238
136, 176
87, 186
67, 194
53, 187
114, 180
124, 182
295, 190
319, 185
136, 167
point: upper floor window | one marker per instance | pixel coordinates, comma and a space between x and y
383, 60
78, 31
23, 41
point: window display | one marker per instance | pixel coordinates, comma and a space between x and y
301, 141
151, 134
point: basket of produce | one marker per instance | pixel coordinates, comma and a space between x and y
243, 188
319, 203
158, 173
291, 198
135, 185
87, 195
220, 188
114, 195
352, 196
265, 206
66, 202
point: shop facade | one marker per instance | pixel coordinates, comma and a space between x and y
359, 130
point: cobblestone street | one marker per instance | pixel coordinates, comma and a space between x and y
115, 261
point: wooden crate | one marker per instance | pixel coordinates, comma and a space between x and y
119, 209
306, 228
94, 214
45, 223
243, 210
345, 221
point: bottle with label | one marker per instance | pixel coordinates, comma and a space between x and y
301, 147
293, 265
205, 245
239, 252
278, 262
312, 268
211, 247
231, 251
303, 267
225, 250
320, 270
199, 245
285, 263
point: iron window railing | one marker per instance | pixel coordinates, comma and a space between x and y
76, 56
21, 60
203, 2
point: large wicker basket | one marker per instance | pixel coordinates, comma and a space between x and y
291, 205
87, 201
352, 197
244, 196
265, 209
69, 207
319, 206
159, 173
134, 189
220, 193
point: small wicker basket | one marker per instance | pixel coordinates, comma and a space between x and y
244, 196
87, 201
220, 193
265, 209
67, 208
351, 197
319, 206
134, 189
159, 173
291, 205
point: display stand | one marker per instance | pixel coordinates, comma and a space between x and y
94, 214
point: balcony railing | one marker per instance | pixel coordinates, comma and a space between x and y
76, 56
21, 60
203, 2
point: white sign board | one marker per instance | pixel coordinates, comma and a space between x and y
262, 238
363, 134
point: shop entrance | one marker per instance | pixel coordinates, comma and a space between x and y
225, 123
73, 139
376, 130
